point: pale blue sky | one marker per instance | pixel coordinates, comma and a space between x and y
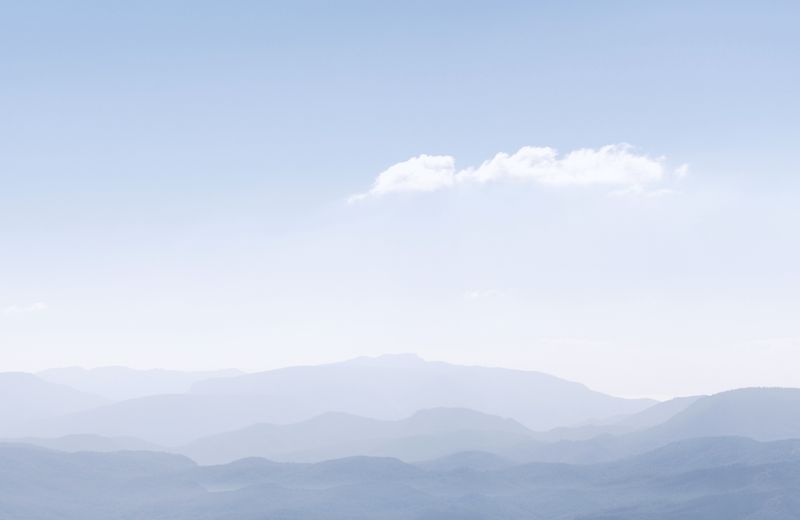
175, 178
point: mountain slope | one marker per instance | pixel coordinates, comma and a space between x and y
120, 383
27, 398
170, 419
758, 413
426, 434
393, 387
96, 443
764, 414
647, 418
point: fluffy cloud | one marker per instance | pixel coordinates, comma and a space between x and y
422, 173
615, 165
24, 309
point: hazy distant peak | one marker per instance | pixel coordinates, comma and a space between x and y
29, 398
751, 397
119, 382
395, 386
764, 414
758, 391
88, 442
404, 359
18, 377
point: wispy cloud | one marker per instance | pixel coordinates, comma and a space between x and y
616, 165
26, 309
482, 294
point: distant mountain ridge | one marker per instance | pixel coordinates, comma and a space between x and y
647, 418
118, 383
396, 386
171, 419
95, 443
760, 414
25, 398
310, 414
387, 387
764, 414
426, 434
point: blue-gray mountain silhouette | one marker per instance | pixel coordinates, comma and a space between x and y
396, 386
426, 434
708, 479
119, 383
25, 398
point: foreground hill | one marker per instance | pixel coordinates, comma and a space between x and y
394, 387
25, 398
708, 479
426, 434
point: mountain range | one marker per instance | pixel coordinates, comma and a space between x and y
760, 414
709, 479
391, 437
395, 386
25, 398
387, 387
426, 434
273, 414
119, 383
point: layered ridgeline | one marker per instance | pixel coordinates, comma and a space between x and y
425, 435
760, 414
120, 383
708, 479
386, 388
465, 450
275, 415
395, 386
763, 414
25, 398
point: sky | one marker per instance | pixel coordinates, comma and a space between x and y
603, 191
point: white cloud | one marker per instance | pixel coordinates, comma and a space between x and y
25, 309
615, 165
682, 171
421, 173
